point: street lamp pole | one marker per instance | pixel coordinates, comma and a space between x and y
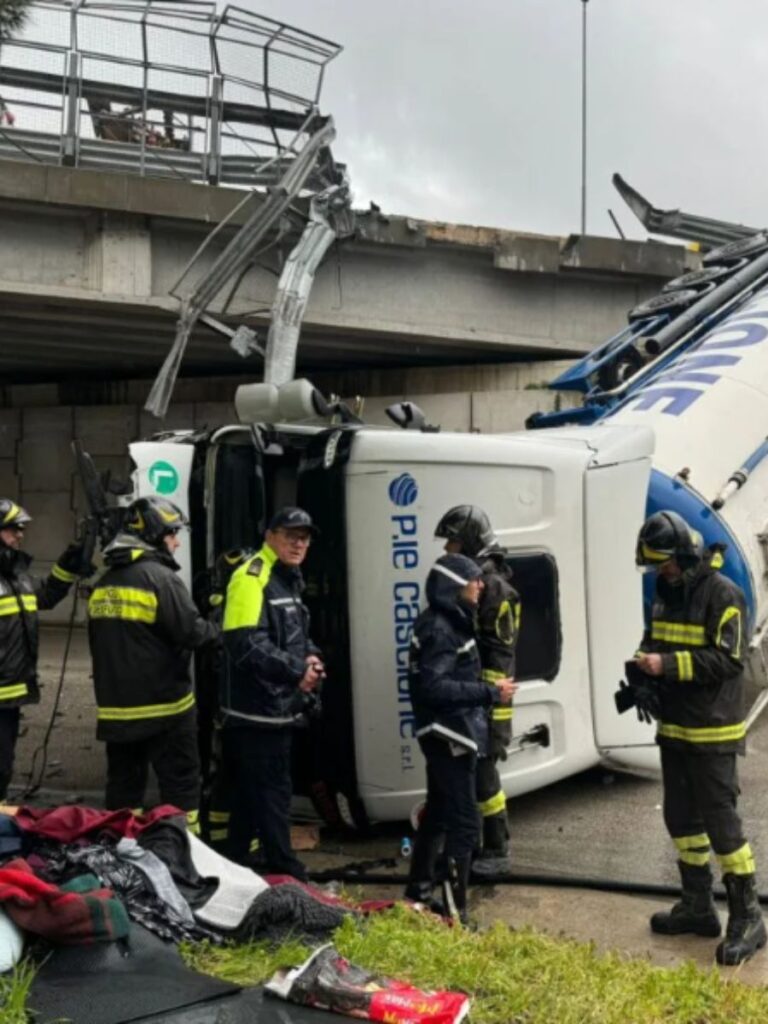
584, 116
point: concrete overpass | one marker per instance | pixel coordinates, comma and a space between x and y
87, 258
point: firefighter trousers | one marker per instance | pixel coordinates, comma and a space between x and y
701, 792
174, 757
451, 809
492, 805
258, 763
9, 733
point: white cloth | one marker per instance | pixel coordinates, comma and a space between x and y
11, 942
237, 889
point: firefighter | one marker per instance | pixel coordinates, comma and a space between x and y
467, 530
450, 706
217, 814
21, 597
694, 648
142, 626
271, 668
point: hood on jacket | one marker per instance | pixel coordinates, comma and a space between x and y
446, 578
127, 548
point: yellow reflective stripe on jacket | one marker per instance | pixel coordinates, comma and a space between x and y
502, 714
740, 862
709, 734
505, 626
135, 714
61, 574
679, 633
495, 805
10, 605
717, 561
684, 661
129, 604
13, 691
490, 675
730, 613
245, 593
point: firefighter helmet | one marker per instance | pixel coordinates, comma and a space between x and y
12, 514
468, 525
153, 518
666, 535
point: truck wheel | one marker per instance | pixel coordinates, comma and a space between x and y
667, 302
735, 250
697, 279
620, 369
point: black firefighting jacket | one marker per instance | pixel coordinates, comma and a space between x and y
21, 597
266, 643
444, 671
142, 626
498, 626
698, 626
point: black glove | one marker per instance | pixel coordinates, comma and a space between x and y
647, 699
73, 560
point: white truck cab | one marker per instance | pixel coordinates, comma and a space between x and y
566, 505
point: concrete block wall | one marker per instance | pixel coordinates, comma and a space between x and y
37, 467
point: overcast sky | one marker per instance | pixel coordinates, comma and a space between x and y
469, 110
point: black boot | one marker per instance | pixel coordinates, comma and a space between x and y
494, 859
455, 887
745, 933
422, 874
695, 912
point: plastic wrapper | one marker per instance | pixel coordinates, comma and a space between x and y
329, 982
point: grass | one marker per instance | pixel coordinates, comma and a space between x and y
514, 977
14, 989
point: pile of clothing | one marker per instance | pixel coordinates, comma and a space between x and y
77, 875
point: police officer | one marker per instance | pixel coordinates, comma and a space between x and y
271, 667
142, 626
450, 705
21, 597
694, 648
467, 530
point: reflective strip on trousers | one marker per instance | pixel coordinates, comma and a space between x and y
711, 734
740, 862
694, 850
494, 805
138, 713
193, 822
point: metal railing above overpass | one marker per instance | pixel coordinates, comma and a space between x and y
160, 88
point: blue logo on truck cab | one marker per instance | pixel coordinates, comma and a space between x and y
403, 490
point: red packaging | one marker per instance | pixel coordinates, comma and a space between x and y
328, 981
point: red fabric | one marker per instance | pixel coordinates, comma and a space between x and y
65, 824
365, 907
70, 918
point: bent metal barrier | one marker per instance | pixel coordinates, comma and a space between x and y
163, 88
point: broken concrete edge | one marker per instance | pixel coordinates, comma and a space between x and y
511, 250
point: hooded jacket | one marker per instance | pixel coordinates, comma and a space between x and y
142, 627
444, 665
698, 626
21, 597
266, 643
